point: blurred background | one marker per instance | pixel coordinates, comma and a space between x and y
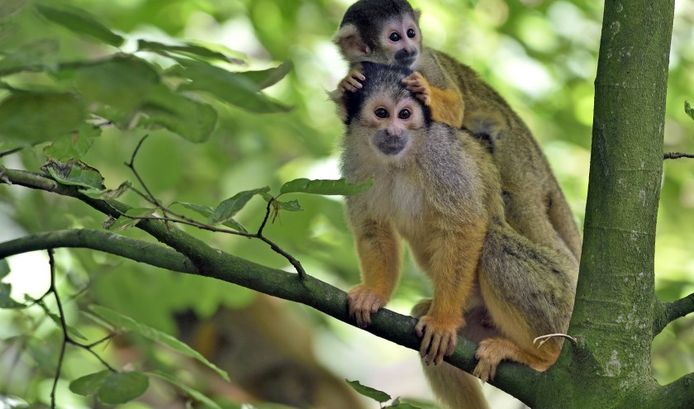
540, 55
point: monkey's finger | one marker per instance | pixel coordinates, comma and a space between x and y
357, 74
452, 341
424, 347
419, 328
354, 82
435, 354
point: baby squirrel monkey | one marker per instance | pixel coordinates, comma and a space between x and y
387, 32
438, 188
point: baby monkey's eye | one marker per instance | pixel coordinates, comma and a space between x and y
411, 33
381, 113
404, 114
394, 37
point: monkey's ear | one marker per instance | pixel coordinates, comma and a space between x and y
417, 15
337, 97
352, 46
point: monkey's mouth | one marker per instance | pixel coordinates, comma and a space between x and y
390, 145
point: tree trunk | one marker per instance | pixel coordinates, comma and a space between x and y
614, 313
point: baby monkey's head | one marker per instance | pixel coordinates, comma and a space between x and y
381, 31
383, 112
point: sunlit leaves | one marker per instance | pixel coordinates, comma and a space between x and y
130, 218
193, 393
688, 109
80, 22
37, 54
32, 117
4, 268
266, 78
74, 173
124, 322
73, 146
190, 119
229, 207
189, 50
121, 83
111, 387
5, 300
208, 212
369, 392
325, 187
227, 86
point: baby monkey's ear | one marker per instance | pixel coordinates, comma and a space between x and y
417, 15
350, 42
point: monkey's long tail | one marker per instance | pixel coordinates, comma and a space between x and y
454, 387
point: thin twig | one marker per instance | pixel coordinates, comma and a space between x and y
63, 325
677, 155
131, 164
11, 151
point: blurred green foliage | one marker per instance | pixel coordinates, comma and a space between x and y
540, 55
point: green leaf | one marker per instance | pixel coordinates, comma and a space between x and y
80, 22
186, 117
89, 384
208, 211
225, 85
10, 7
107, 194
229, 207
4, 268
127, 323
131, 218
119, 86
74, 173
369, 392
41, 53
190, 50
290, 206
121, 387
688, 109
5, 300
74, 146
266, 78
325, 187
198, 396
33, 117
72, 331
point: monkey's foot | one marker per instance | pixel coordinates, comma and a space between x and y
439, 338
362, 302
417, 84
352, 82
489, 353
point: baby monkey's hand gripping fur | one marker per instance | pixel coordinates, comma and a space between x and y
437, 187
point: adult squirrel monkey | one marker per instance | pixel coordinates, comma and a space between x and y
438, 188
387, 32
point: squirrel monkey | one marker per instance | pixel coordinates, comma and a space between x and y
387, 32
438, 188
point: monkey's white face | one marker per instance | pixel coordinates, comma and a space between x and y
401, 41
391, 124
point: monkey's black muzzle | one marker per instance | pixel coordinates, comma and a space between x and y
390, 144
405, 57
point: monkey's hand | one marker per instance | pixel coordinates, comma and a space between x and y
419, 85
362, 302
439, 337
352, 82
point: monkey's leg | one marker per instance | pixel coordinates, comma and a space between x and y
529, 291
446, 104
379, 254
455, 388
452, 266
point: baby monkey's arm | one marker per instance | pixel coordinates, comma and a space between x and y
446, 104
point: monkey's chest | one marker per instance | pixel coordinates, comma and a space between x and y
401, 200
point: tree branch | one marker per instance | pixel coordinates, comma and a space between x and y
678, 155
518, 380
668, 312
678, 394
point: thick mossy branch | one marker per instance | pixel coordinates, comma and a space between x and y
201, 259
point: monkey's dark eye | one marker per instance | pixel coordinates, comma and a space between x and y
404, 114
381, 113
411, 33
394, 37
